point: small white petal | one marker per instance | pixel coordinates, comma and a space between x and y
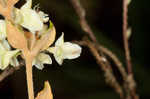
0, 62
6, 58
51, 50
1, 48
59, 59
6, 45
27, 5
58, 54
31, 20
44, 17
14, 62
60, 40
64, 50
39, 66
18, 18
41, 59
71, 51
2, 29
44, 58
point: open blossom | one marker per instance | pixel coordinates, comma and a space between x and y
40, 60
7, 56
64, 50
2, 29
30, 18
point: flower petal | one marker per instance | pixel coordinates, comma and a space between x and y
44, 17
14, 62
44, 58
2, 29
6, 45
41, 59
58, 54
31, 20
71, 51
39, 66
51, 50
0, 62
2, 48
59, 59
60, 40
27, 5
6, 58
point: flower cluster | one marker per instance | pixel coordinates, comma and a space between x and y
34, 21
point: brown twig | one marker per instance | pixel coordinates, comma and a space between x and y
128, 83
105, 66
115, 60
86, 28
9, 70
82, 15
127, 51
125, 39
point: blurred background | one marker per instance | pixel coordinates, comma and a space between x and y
82, 78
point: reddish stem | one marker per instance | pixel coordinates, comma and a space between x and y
125, 39
126, 45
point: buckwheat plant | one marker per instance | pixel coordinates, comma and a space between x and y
31, 45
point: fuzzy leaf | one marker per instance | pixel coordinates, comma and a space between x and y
45, 93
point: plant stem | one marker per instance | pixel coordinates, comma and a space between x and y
29, 78
125, 39
126, 47
83, 22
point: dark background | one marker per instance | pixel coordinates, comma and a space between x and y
82, 78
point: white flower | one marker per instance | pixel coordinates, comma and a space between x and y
7, 56
44, 17
29, 18
64, 50
41, 59
2, 29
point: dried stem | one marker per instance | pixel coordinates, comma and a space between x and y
110, 78
82, 15
9, 70
115, 60
125, 39
126, 47
85, 27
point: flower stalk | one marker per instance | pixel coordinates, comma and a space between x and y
29, 78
